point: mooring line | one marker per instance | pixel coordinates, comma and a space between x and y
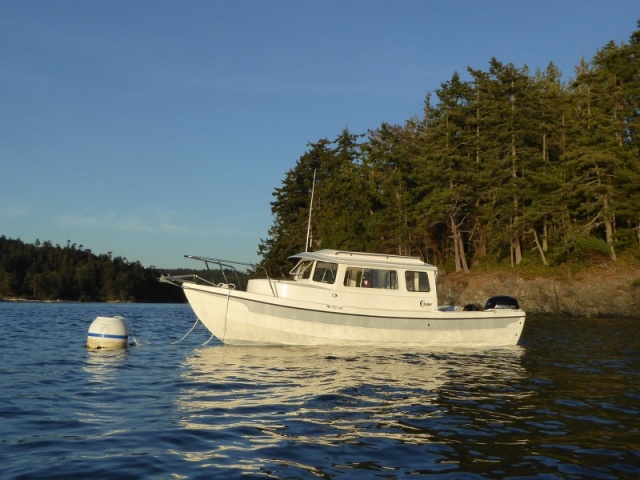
133, 335
144, 342
210, 338
187, 334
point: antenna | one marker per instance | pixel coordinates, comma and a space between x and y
313, 187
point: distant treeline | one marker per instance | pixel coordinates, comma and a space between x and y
505, 167
43, 271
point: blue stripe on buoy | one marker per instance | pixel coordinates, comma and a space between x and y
106, 335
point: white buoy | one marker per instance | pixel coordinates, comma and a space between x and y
108, 332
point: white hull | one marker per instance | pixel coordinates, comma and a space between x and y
241, 318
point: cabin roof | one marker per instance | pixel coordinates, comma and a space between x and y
363, 259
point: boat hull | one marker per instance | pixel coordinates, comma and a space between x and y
241, 318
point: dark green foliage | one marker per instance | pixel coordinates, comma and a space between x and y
505, 166
42, 271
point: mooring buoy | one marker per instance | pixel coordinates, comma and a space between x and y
108, 332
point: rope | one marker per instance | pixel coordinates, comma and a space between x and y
139, 344
187, 334
210, 338
135, 341
130, 327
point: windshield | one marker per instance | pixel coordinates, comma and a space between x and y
302, 269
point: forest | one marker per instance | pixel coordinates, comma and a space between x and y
43, 271
505, 168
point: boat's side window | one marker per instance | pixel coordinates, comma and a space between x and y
325, 272
417, 281
371, 278
302, 269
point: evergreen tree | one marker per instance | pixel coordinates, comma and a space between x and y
388, 168
290, 209
599, 157
447, 169
344, 200
546, 197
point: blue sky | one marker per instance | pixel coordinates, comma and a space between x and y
154, 129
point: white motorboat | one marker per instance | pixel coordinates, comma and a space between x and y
346, 298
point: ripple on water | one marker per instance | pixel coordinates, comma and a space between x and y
545, 408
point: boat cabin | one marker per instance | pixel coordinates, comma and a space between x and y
363, 270
386, 281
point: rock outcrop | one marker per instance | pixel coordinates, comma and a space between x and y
594, 294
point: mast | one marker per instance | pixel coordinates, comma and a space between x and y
313, 187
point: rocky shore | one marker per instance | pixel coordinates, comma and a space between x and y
606, 293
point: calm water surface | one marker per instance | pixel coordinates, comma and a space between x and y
563, 404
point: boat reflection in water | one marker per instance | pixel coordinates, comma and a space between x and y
264, 408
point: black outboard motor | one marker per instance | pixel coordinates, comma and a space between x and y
500, 302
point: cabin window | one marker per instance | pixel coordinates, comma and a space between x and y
302, 269
325, 272
417, 281
371, 278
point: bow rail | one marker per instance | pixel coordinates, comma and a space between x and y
224, 267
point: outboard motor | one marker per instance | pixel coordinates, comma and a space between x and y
502, 302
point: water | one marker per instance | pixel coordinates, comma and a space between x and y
563, 404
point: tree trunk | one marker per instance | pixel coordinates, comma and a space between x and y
463, 257
608, 228
517, 247
539, 247
458, 247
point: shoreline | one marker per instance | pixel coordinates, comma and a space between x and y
592, 293
30, 300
